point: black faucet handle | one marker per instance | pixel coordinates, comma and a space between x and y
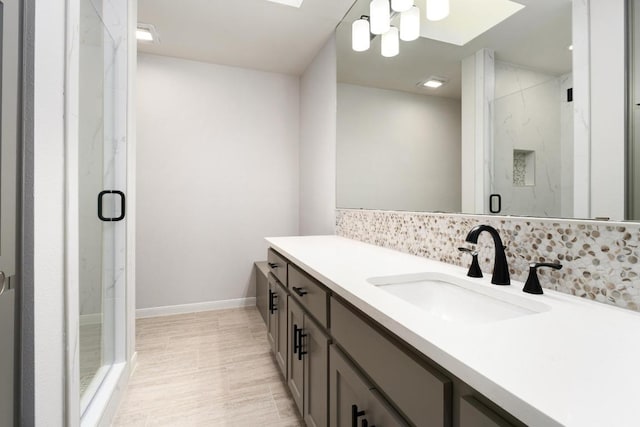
474, 268
532, 285
468, 250
554, 265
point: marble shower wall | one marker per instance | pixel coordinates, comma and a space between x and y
528, 142
600, 259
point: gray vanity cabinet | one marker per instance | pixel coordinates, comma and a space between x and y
277, 325
308, 365
333, 356
353, 400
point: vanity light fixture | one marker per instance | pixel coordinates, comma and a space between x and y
434, 82
390, 45
146, 33
437, 9
410, 24
401, 5
360, 34
380, 16
378, 23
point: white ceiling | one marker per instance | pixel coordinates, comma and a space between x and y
256, 34
536, 37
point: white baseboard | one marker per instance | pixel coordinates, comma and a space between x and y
195, 307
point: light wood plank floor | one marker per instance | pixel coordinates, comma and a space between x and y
206, 369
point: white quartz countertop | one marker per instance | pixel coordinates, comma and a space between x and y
577, 364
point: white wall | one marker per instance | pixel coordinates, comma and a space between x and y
318, 143
397, 150
217, 171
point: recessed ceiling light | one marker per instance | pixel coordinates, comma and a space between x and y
292, 3
570, 47
434, 82
147, 33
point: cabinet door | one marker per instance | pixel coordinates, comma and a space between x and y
272, 321
295, 364
381, 414
282, 338
316, 377
353, 399
349, 391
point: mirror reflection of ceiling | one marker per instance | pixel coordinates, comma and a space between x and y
537, 36
257, 34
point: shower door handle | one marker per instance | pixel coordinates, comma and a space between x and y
498, 198
122, 206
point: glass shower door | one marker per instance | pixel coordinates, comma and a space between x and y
101, 204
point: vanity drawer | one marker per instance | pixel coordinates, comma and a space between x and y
475, 414
311, 295
277, 266
421, 393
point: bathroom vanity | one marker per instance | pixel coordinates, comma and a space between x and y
360, 343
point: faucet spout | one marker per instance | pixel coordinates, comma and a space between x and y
500, 267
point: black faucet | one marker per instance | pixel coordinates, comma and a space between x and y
500, 267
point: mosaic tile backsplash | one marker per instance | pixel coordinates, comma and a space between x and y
600, 259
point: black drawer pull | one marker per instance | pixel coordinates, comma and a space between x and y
295, 338
273, 265
355, 414
300, 336
272, 304
301, 292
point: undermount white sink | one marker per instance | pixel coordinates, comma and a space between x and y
457, 299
